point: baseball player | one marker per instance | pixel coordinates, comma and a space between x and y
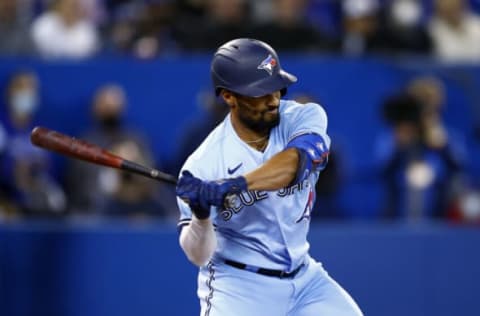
246, 193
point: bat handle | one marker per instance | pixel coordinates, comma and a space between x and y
149, 172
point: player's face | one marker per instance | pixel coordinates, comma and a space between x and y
259, 114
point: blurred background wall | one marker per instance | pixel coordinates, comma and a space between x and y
117, 269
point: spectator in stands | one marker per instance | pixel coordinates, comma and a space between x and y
220, 22
26, 170
395, 28
455, 31
7, 205
290, 29
361, 27
421, 168
262, 10
120, 29
404, 29
63, 32
431, 92
214, 111
14, 24
154, 30
467, 209
132, 195
139, 28
95, 189
194, 9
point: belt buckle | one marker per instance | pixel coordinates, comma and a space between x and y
283, 274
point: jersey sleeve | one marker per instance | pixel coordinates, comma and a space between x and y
184, 208
307, 119
185, 213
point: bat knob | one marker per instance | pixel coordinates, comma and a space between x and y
36, 134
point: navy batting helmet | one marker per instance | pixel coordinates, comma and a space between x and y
249, 67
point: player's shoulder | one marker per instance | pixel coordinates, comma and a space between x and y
295, 110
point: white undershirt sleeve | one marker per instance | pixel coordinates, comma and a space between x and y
198, 241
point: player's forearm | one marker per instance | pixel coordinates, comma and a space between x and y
198, 241
278, 172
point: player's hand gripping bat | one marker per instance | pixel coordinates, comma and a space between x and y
80, 149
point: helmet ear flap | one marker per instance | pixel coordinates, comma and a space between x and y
283, 92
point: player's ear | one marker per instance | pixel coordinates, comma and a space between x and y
228, 97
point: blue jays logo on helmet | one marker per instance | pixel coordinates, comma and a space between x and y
238, 66
268, 64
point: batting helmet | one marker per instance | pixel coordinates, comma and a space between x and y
249, 67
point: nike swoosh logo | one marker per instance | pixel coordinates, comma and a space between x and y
231, 171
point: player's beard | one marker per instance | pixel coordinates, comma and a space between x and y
263, 124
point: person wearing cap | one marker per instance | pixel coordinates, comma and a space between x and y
245, 195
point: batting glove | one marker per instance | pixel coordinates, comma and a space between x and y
216, 192
188, 189
200, 195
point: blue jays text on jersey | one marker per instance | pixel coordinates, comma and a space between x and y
248, 198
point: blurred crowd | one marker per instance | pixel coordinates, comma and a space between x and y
420, 161
445, 29
30, 185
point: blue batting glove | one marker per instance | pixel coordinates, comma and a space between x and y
215, 192
188, 189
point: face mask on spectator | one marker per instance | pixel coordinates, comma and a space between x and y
111, 121
24, 102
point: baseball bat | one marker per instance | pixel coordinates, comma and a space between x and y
80, 149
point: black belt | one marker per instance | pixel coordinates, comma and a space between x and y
269, 272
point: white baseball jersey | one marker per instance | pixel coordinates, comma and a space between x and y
264, 229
